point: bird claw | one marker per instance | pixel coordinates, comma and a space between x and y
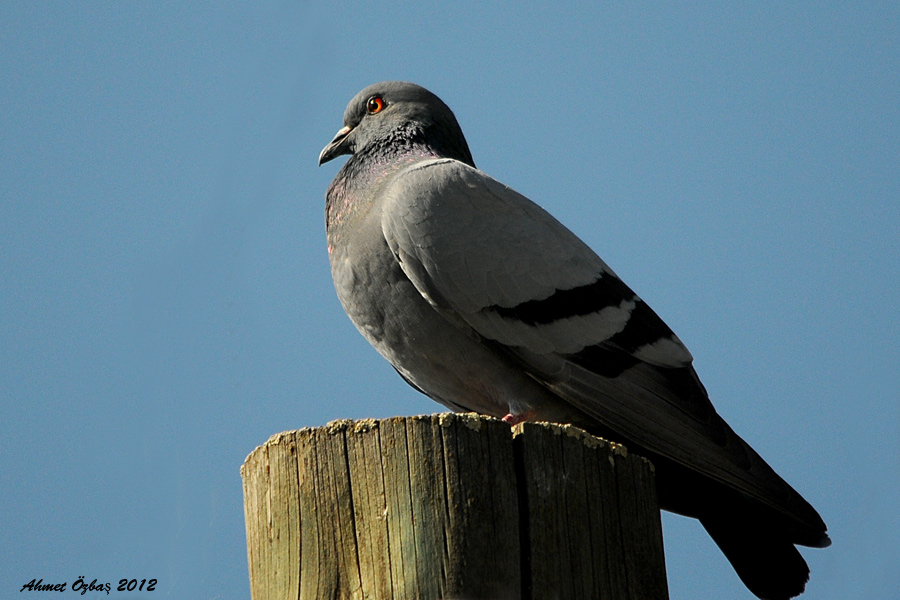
511, 419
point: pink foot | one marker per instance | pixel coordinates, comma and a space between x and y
511, 419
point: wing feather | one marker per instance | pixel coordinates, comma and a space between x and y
487, 257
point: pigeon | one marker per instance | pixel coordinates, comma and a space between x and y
484, 302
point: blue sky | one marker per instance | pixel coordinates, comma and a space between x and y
166, 304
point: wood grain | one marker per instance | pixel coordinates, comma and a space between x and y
450, 506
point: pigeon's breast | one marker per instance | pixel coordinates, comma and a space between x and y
446, 362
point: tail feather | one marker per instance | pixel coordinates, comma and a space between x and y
764, 557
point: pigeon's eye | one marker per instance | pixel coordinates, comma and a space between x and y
374, 105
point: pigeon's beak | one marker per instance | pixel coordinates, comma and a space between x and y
336, 147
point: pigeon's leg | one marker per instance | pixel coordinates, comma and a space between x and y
511, 419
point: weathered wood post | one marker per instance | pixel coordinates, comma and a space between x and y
450, 506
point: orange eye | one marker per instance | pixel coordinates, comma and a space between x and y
374, 105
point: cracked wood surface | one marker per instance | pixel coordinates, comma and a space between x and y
450, 506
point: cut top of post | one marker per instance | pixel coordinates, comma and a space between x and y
450, 506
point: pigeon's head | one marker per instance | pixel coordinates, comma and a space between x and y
395, 117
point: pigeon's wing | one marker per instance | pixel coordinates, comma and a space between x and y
488, 258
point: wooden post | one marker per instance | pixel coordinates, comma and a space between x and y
450, 506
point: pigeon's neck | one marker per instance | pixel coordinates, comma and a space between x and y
360, 177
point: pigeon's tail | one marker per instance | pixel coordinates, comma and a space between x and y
764, 557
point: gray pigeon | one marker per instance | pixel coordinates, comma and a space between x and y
484, 302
